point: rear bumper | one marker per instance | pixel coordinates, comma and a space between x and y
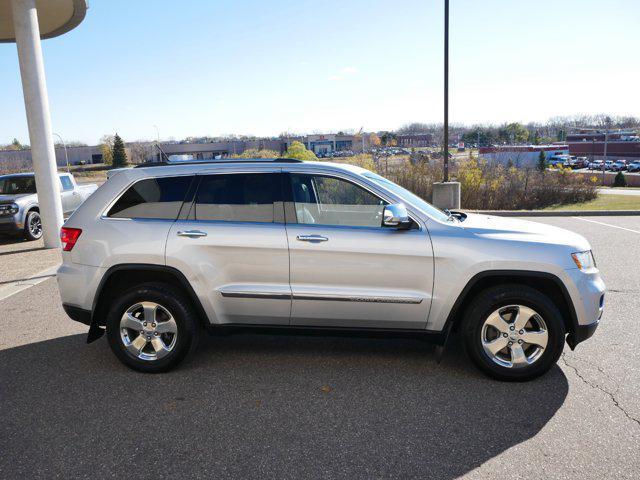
78, 314
581, 333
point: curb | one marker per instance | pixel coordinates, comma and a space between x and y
561, 213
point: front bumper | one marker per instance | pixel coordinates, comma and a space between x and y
11, 224
587, 292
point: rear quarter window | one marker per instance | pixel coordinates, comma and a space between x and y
66, 182
159, 198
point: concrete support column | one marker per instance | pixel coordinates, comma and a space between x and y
446, 195
36, 100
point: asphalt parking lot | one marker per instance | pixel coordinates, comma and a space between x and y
308, 407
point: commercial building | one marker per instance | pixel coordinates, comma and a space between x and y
329, 143
522, 156
145, 151
620, 145
415, 140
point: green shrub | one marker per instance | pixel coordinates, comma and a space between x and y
298, 151
620, 180
257, 153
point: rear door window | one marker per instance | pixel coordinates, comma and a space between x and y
238, 197
159, 198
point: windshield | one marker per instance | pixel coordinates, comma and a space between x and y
406, 194
17, 185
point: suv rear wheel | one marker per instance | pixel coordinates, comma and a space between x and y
513, 332
152, 327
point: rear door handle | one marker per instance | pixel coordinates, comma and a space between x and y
192, 233
312, 238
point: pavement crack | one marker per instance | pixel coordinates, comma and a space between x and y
598, 387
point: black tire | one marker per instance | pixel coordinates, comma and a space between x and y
487, 302
33, 217
177, 304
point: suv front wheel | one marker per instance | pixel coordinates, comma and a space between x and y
152, 328
513, 332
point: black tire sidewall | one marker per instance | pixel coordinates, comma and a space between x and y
180, 309
27, 231
488, 302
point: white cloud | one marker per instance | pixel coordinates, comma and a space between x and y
343, 73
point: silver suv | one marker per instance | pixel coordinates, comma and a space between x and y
160, 253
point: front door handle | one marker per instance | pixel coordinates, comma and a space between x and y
312, 238
192, 233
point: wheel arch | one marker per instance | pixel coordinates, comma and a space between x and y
120, 277
546, 283
34, 207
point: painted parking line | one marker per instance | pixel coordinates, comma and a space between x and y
9, 289
606, 224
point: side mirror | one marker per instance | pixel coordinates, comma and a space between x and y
396, 215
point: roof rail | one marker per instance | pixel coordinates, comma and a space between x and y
215, 161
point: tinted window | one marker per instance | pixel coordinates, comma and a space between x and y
67, 184
152, 198
334, 201
242, 197
17, 185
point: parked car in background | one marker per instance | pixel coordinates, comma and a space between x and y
634, 166
577, 162
596, 165
619, 166
558, 161
160, 254
19, 208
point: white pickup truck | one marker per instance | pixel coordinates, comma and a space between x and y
19, 209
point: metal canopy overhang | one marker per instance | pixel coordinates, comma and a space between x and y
55, 17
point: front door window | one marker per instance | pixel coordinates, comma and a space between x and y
324, 200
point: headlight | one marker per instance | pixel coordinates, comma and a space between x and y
584, 260
9, 209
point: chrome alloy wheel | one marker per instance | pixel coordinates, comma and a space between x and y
148, 331
35, 225
514, 336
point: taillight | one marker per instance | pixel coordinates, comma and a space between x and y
69, 237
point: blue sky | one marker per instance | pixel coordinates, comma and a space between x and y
256, 67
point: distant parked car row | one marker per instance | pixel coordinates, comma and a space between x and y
615, 165
335, 154
390, 151
375, 151
567, 161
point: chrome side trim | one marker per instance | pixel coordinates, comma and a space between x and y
365, 299
322, 297
263, 295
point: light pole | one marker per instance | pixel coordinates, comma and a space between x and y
446, 91
158, 141
604, 156
66, 157
446, 194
